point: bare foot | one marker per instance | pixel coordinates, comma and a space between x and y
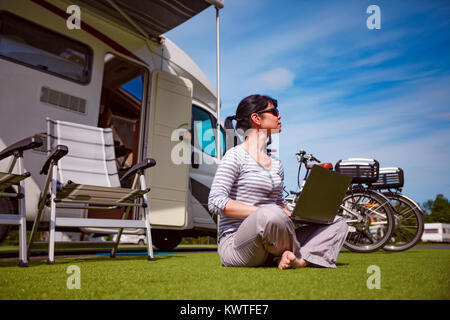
290, 261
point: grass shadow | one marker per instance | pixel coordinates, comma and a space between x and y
341, 264
65, 260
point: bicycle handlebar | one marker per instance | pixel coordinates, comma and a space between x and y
312, 158
302, 157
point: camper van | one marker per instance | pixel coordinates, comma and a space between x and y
106, 63
436, 232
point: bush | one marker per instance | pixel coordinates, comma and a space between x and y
12, 239
199, 240
437, 210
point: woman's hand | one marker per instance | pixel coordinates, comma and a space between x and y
289, 213
236, 209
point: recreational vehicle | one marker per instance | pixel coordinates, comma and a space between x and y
106, 63
436, 232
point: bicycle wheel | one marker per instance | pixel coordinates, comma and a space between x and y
409, 223
370, 220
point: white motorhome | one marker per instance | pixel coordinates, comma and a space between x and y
436, 232
116, 70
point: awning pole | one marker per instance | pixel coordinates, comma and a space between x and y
219, 139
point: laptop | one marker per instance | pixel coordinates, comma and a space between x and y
321, 196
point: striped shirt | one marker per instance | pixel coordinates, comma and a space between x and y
240, 177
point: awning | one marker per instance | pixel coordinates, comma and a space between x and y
150, 18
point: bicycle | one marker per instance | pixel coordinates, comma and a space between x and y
367, 212
408, 215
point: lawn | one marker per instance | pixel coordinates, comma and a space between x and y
413, 274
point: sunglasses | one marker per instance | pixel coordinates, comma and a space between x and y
274, 111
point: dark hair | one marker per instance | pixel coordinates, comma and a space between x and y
251, 104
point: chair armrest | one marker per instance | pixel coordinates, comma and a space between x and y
57, 153
21, 146
144, 164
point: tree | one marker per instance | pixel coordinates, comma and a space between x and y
437, 210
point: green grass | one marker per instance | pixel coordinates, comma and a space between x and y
413, 274
15, 248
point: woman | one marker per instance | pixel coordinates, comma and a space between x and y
247, 192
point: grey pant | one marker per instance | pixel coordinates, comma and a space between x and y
269, 230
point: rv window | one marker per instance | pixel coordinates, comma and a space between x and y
134, 87
431, 231
222, 146
42, 49
203, 128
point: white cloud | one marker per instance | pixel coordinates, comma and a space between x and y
375, 59
275, 79
443, 116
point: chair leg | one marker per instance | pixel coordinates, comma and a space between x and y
23, 234
37, 219
149, 236
119, 234
36, 222
116, 245
51, 241
23, 259
51, 238
148, 231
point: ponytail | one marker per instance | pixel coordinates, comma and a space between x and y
229, 122
231, 140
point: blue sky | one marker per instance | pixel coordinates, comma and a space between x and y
343, 90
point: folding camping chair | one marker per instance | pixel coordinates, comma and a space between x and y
83, 175
7, 191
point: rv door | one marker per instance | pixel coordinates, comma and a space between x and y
169, 117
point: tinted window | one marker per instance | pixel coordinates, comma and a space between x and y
222, 136
203, 128
34, 46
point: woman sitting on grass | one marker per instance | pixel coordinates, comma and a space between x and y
247, 192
